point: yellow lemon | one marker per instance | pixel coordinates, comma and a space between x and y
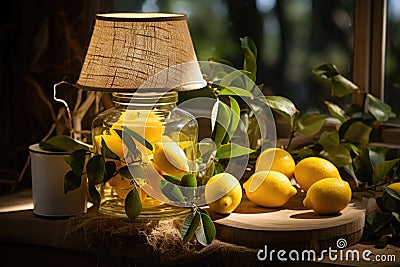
170, 158
276, 159
312, 169
122, 187
269, 189
223, 193
328, 196
113, 142
395, 187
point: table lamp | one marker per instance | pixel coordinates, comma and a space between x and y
143, 59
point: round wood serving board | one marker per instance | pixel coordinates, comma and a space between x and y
290, 227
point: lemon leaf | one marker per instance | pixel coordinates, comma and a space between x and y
220, 119
172, 179
229, 78
95, 169
392, 193
383, 169
235, 119
171, 191
77, 161
250, 56
329, 139
133, 204
71, 181
363, 166
232, 150
63, 143
379, 109
310, 124
94, 195
336, 111
189, 226
138, 138
189, 180
284, 107
106, 152
338, 155
341, 86
129, 143
231, 90
110, 170
358, 133
206, 231
326, 70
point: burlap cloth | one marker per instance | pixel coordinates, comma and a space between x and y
119, 242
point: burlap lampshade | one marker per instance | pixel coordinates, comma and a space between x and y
131, 50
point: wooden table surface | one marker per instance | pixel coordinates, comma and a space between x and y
26, 239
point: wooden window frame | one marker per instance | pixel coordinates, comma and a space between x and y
369, 59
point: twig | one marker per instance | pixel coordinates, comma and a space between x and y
71, 130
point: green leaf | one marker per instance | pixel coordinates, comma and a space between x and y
392, 193
235, 91
133, 204
379, 109
94, 195
209, 172
326, 71
95, 169
171, 191
63, 143
189, 180
363, 166
358, 133
172, 179
382, 169
284, 107
220, 120
206, 231
125, 173
376, 156
232, 150
310, 124
76, 160
235, 119
229, 78
132, 172
106, 152
129, 143
222, 61
71, 181
338, 155
250, 56
110, 170
336, 111
376, 222
345, 126
219, 168
329, 139
189, 226
138, 138
341, 86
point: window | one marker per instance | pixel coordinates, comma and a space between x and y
392, 63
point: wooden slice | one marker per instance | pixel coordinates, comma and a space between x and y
290, 227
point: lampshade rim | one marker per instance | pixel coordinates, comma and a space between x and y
190, 86
131, 17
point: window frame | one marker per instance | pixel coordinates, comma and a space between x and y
369, 60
